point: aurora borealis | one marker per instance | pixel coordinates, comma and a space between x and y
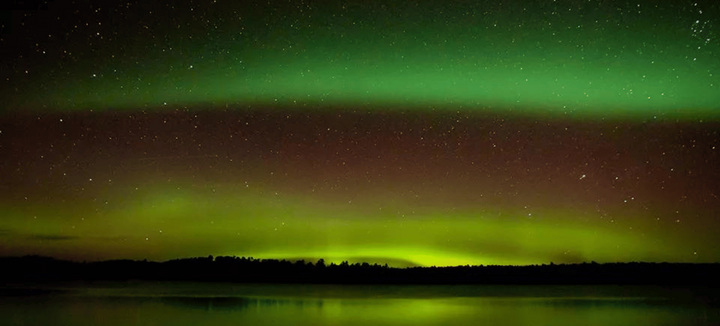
401, 132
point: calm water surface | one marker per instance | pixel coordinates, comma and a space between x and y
231, 304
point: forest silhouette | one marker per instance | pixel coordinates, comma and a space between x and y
250, 270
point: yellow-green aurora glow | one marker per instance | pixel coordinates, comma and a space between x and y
402, 132
167, 222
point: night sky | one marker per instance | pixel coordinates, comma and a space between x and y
412, 133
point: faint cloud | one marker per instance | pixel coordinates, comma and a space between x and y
52, 237
113, 238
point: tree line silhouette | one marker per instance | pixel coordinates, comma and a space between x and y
250, 270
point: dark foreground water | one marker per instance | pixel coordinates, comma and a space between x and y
231, 304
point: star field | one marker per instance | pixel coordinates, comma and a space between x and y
428, 133
555, 57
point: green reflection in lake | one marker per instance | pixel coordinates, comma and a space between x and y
354, 306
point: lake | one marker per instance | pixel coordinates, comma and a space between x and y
139, 303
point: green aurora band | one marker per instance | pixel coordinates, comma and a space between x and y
560, 58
